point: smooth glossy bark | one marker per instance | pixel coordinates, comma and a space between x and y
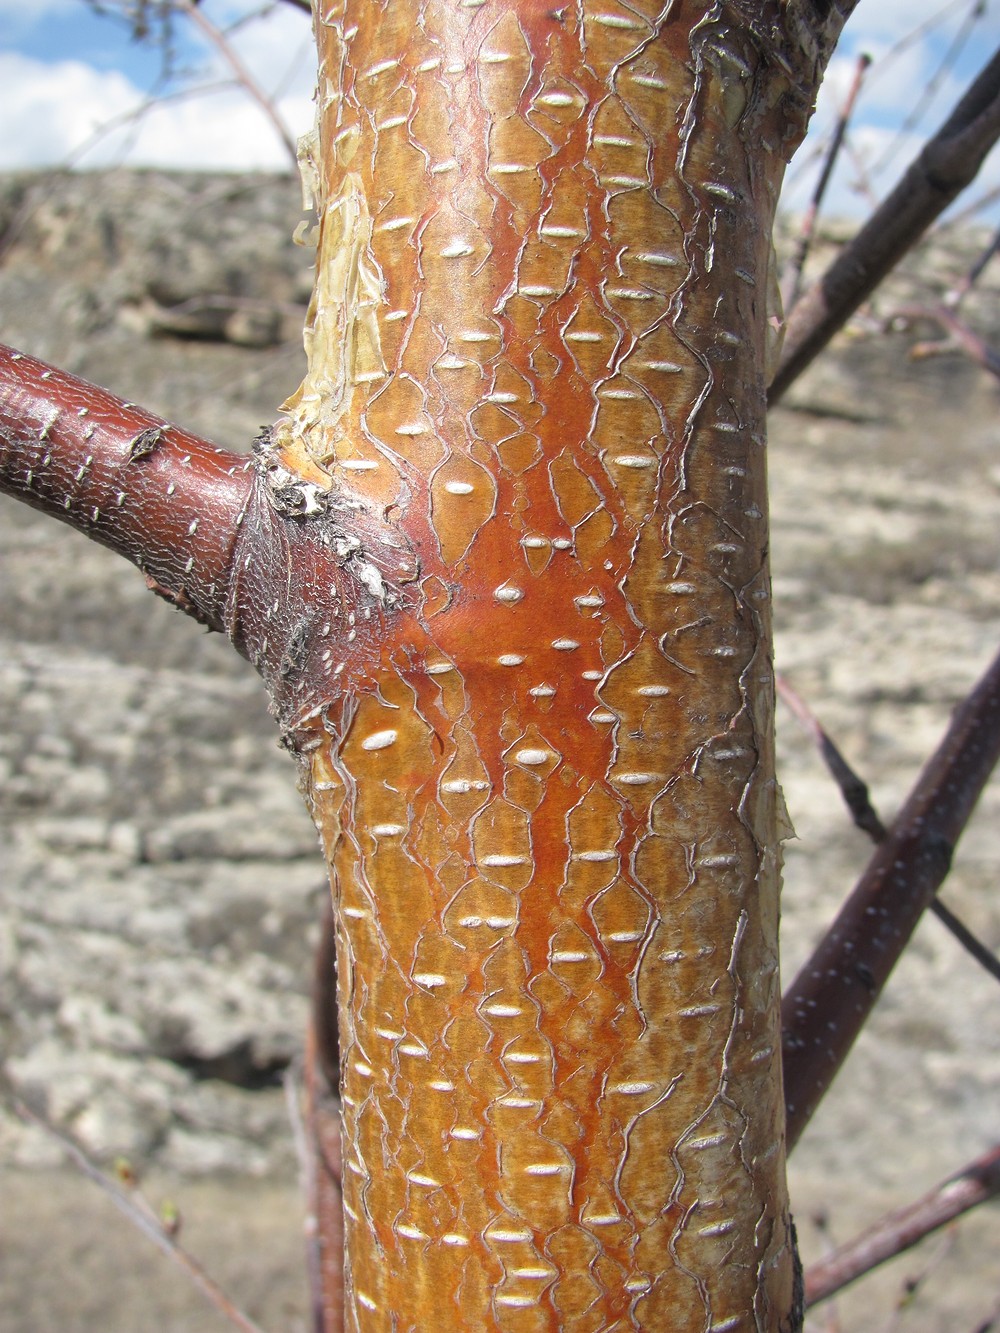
538, 346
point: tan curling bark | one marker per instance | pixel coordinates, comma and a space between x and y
537, 347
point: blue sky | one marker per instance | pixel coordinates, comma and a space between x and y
65, 73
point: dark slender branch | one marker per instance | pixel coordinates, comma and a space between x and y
945, 166
959, 292
304, 5
852, 788
165, 499
855, 793
969, 942
902, 1228
305, 1152
326, 1202
793, 282
829, 1001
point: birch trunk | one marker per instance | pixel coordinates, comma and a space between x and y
541, 757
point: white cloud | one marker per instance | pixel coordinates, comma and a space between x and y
48, 112
220, 132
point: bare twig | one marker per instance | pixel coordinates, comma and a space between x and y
326, 1202
913, 1283
959, 335
855, 793
969, 942
793, 282
961, 289
852, 788
829, 1001
945, 66
945, 166
144, 1219
904, 1227
242, 73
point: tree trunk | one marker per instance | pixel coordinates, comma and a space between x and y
504, 568
537, 349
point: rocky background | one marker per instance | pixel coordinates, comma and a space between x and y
160, 884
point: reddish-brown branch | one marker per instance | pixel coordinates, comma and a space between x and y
945, 166
829, 1001
300, 579
242, 73
902, 1228
165, 499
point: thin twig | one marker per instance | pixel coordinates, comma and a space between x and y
306, 1157
829, 1001
855, 793
945, 66
323, 1125
322, 1069
243, 75
944, 167
793, 282
959, 334
143, 1219
912, 1284
958, 293
903, 1228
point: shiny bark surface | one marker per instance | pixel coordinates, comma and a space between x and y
537, 348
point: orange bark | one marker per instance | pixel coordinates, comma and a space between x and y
504, 568
537, 347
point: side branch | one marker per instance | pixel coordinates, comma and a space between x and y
301, 579
944, 167
829, 1001
167, 500
905, 1227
